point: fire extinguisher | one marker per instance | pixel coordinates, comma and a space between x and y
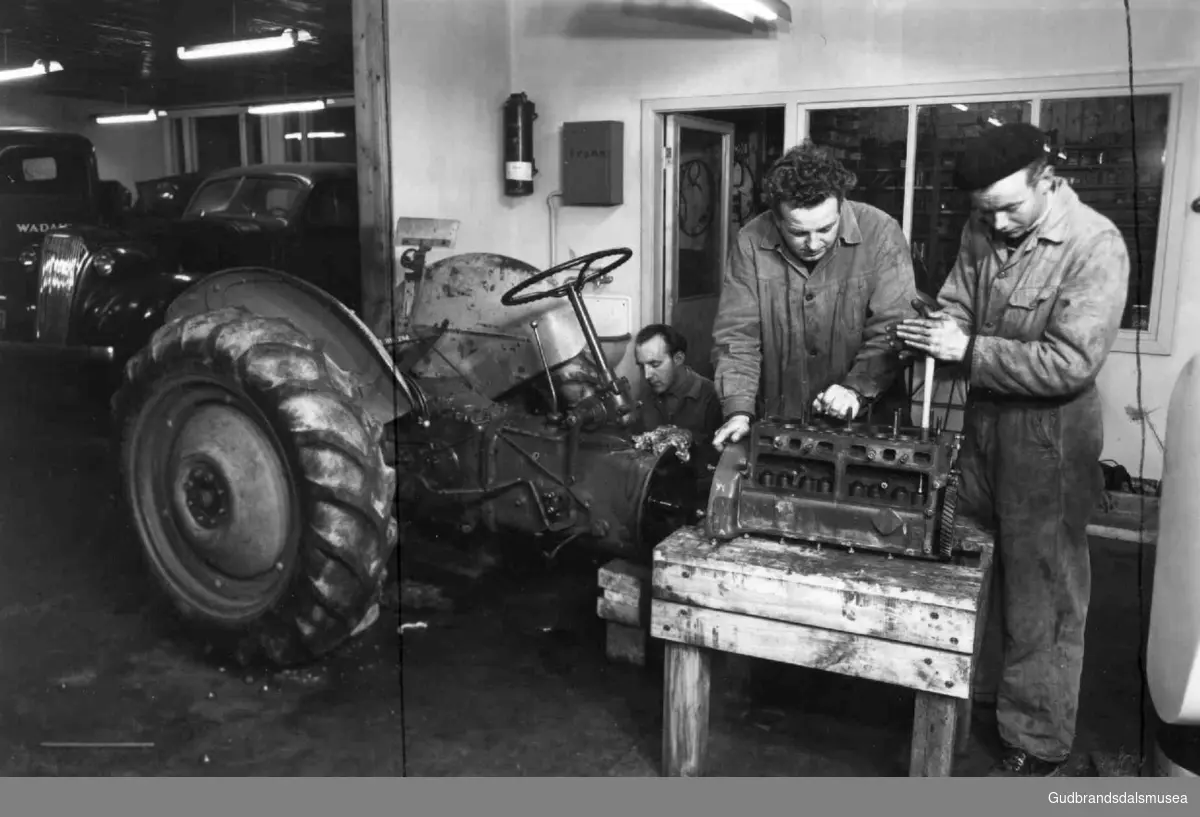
519, 167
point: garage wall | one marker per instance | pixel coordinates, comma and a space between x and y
450, 75
578, 61
125, 153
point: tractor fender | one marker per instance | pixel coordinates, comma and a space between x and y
342, 335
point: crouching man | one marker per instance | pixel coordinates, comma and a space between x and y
678, 395
1030, 311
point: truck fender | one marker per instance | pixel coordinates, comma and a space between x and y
337, 331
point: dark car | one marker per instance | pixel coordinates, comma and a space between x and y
101, 292
48, 181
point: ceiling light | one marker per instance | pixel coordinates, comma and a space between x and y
287, 107
39, 68
994, 121
751, 10
240, 48
317, 134
960, 106
124, 118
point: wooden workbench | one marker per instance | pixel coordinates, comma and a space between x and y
908, 622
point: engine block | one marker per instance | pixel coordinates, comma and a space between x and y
879, 488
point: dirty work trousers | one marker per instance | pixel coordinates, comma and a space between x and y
1030, 469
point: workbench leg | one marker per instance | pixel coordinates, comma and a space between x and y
687, 681
934, 724
963, 740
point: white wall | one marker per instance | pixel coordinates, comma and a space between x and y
125, 153
450, 75
843, 44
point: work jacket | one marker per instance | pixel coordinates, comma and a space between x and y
782, 335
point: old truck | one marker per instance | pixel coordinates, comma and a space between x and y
48, 181
99, 290
272, 447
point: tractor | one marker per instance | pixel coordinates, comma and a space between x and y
272, 448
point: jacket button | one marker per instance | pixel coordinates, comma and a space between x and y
808, 296
813, 352
989, 325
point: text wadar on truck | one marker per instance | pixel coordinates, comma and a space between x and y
48, 181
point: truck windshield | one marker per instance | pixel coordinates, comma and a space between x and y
248, 197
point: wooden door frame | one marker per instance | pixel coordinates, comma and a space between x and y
670, 204
654, 115
373, 133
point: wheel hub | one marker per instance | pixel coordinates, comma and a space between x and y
207, 495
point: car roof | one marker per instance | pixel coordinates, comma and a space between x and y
306, 171
10, 135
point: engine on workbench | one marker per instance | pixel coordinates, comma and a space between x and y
856, 485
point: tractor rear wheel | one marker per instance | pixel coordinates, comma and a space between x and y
256, 484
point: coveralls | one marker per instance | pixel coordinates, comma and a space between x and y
783, 333
1044, 320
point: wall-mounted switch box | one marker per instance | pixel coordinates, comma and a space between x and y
593, 164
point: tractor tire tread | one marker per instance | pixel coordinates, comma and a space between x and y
345, 486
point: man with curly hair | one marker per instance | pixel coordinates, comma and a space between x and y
811, 289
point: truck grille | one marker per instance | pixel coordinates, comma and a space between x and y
63, 259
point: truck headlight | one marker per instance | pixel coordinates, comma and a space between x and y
104, 262
28, 257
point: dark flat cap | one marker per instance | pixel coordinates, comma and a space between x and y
998, 152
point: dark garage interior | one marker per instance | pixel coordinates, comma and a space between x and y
311, 443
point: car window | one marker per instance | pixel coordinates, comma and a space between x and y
334, 204
38, 170
253, 197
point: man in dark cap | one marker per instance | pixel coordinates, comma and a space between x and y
811, 289
1030, 312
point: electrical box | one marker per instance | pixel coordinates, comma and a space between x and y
593, 164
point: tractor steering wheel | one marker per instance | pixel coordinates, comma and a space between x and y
584, 278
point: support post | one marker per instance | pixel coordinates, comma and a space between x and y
372, 124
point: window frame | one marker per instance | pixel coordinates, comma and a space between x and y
1180, 86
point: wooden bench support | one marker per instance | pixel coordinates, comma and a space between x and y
933, 737
625, 606
688, 682
912, 623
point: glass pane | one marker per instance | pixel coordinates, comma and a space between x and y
698, 223
218, 143
293, 137
331, 135
254, 147
870, 143
1094, 140
939, 209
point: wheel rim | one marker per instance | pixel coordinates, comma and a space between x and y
213, 498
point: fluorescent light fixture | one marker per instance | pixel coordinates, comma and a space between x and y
317, 134
960, 106
748, 10
125, 118
39, 68
240, 48
994, 121
287, 107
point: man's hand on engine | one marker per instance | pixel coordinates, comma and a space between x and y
733, 430
838, 401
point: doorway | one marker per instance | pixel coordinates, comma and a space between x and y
713, 162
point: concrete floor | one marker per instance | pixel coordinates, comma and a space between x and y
507, 676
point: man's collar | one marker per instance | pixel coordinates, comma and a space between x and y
1061, 200
688, 384
848, 230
